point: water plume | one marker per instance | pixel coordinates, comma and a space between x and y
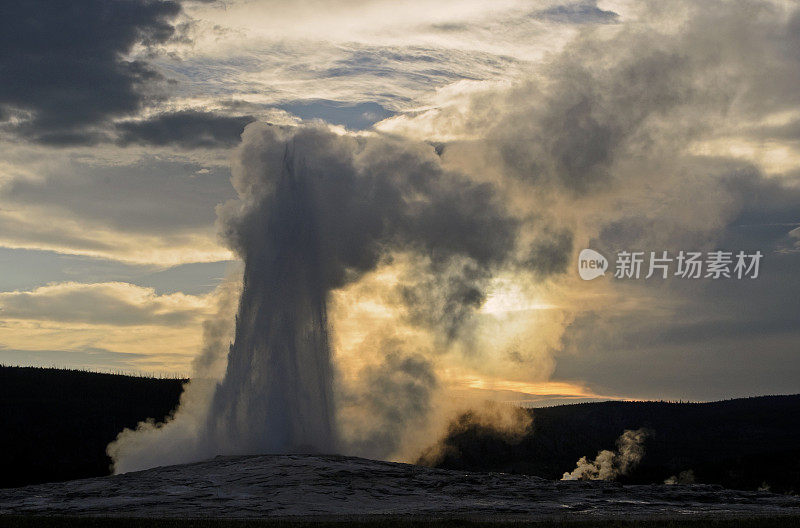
277, 392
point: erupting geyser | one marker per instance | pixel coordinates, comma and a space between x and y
316, 210
277, 393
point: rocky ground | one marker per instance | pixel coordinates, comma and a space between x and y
334, 486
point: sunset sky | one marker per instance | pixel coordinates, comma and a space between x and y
615, 125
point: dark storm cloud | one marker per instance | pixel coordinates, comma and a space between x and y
63, 139
63, 64
187, 129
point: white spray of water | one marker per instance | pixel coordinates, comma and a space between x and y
277, 392
608, 465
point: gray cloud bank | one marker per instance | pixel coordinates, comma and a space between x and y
63, 65
68, 74
187, 129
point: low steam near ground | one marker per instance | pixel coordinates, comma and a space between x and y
608, 465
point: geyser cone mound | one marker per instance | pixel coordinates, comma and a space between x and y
304, 485
277, 395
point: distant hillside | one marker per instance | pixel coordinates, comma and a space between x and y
741, 443
55, 424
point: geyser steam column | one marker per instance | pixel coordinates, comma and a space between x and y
316, 210
276, 396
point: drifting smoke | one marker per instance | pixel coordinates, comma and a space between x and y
608, 465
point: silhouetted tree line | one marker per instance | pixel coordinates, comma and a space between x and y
55, 424
742, 443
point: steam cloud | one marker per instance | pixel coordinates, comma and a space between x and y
612, 144
317, 210
178, 439
608, 465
